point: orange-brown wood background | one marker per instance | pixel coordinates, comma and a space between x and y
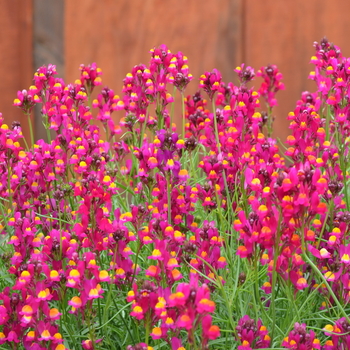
212, 34
16, 61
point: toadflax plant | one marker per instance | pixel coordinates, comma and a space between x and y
131, 233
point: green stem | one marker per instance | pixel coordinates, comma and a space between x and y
220, 286
123, 320
194, 345
147, 326
113, 317
343, 169
99, 311
228, 198
183, 114
135, 263
274, 277
302, 308
328, 117
47, 127
30, 129
173, 108
330, 211
256, 284
319, 273
216, 126
269, 121
169, 197
345, 185
143, 127
25, 143
60, 227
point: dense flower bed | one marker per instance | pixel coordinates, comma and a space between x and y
147, 236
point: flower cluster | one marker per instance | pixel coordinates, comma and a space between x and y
299, 338
139, 226
252, 335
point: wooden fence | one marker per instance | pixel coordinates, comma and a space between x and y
212, 33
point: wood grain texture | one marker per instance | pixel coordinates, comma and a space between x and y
119, 34
213, 34
282, 33
16, 56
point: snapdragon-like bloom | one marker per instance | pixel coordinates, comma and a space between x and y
299, 338
252, 334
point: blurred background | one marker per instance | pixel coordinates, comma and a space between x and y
118, 34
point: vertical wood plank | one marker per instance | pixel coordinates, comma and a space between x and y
16, 56
283, 32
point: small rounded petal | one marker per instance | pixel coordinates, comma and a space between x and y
176, 274
54, 276
213, 332
60, 347
30, 336
45, 335
153, 271
169, 322
27, 310
242, 251
103, 276
301, 283
205, 305
177, 299
325, 253
137, 312
222, 262
183, 175
255, 184
44, 294
267, 287
185, 321
93, 294
87, 344
262, 211
345, 259
156, 255
75, 302
172, 262
54, 314
156, 333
